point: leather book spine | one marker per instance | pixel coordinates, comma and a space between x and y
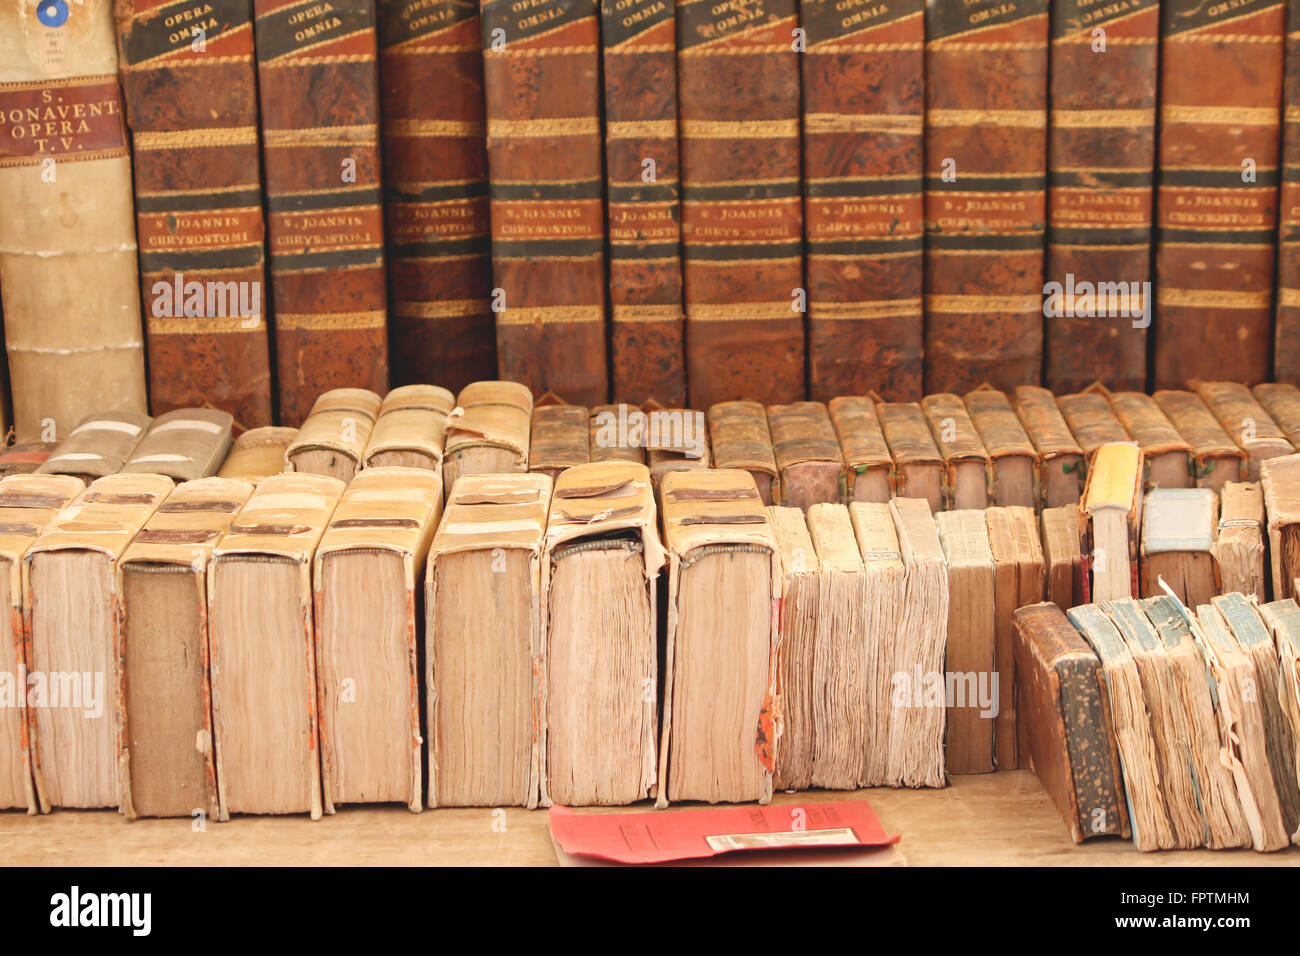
191, 103
1100, 186
319, 89
742, 212
441, 328
68, 270
985, 193
541, 73
1286, 327
645, 264
1220, 96
863, 106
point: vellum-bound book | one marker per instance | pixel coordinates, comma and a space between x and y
918, 466
1283, 619
258, 453
617, 433
677, 439
1067, 576
966, 466
332, 440
366, 577
807, 451
1238, 549
482, 637
559, 439
184, 444
24, 457
1242, 417
1282, 402
264, 713
1178, 526
1019, 574
1111, 518
867, 462
1092, 421
487, 432
800, 614
1061, 465
1281, 481
1166, 452
721, 719
1012, 455
28, 503
739, 438
1215, 457
98, 446
166, 763
411, 429
70, 607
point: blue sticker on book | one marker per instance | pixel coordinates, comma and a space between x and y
52, 13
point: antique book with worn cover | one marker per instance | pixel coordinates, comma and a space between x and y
1220, 93
1061, 465
24, 457
617, 433
183, 444
1092, 420
970, 648
739, 437
1286, 319
98, 446
559, 439
867, 463
488, 431
71, 601
190, 85
367, 579
801, 613
440, 321
985, 192
721, 712
68, 271
1282, 503
1238, 550
1012, 455
1110, 516
808, 459
1102, 149
1067, 576
1282, 402
1283, 620
742, 209
1166, 451
258, 452
411, 428
1242, 417
966, 467
598, 638
332, 441
262, 641
28, 503
319, 89
677, 439
1070, 743
1215, 457
1178, 531
482, 607
541, 76
863, 100
166, 765
639, 46
918, 466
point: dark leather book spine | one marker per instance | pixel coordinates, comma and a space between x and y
191, 103
645, 263
1220, 96
1100, 191
319, 89
863, 106
1286, 331
440, 327
985, 193
742, 213
541, 73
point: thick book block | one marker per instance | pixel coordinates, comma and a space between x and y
966, 465
639, 47
722, 716
1061, 464
1238, 549
1166, 451
183, 444
488, 431
1178, 532
742, 209
262, 640
918, 466
1215, 457
68, 270
482, 607
1220, 92
599, 645
332, 441
163, 695
985, 192
71, 603
739, 437
1012, 456
1283, 620
1102, 153
190, 89
1282, 402
258, 452
1067, 576
98, 446
676, 439
867, 463
440, 321
617, 433
1092, 421
1070, 745
1242, 417
367, 579
23, 458
541, 77
319, 88
1282, 503
28, 503
411, 429
808, 460
1110, 517
559, 439
801, 612
863, 100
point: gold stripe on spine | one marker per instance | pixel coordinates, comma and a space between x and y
905, 125
1102, 119
1213, 299
1232, 115
568, 126
650, 129
329, 321
983, 303
739, 129
449, 308
646, 313
1020, 119
423, 127
550, 315
190, 138
739, 311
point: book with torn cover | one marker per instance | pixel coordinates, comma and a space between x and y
488, 431
1238, 550
1178, 530
558, 439
183, 444
918, 466
1242, 417
1166, 452
1061, 465
867, 463
1283, 619
257, 453
1012, 456
98, 446
411, 429
24, 457
1215, 457
801, 591
617, 433
740, 438
1282, 402
677, 439
1281, 482
1111, 520
332, 441
808, 460
966, 466
1067, 575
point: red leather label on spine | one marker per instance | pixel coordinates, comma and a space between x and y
323, 229
160, 231
70, 120
449, 219
526, 220
1289, 207
1198, 207
642, 222
865, 217
987, 212
1092, 207
731, 221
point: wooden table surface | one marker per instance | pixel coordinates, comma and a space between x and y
985, 820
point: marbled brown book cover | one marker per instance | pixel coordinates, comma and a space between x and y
319, 88
863, 105
645, 262
742, 213
1220, 117
190, 85
1286, 331
441, 329
1101, 146
541, 72
985, 192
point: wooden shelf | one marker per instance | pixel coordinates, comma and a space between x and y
987, 820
